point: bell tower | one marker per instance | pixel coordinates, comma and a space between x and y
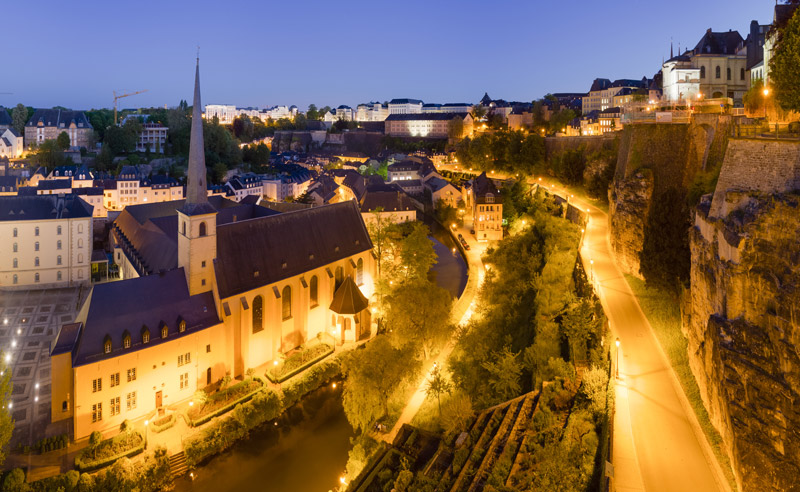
197, 219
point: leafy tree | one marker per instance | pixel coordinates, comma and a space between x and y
419, 311
438, 385
49, 155
220, 170
312, 113
119, 140
372, 374
224, 383
785, 65
579, 325
417, 253
62, 141
95, 438
19, 116
457, 412
300, 122
455, 128
504, 373
478, 112
15, 481
595, 388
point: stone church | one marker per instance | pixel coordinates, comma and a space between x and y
211, 287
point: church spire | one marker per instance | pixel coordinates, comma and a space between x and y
196, 194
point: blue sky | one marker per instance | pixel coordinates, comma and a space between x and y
264, 53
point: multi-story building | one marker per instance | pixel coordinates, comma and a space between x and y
245, 185
344, 113
373, 111
291, 185
426, 125
483, 199
153, 138
405, 106
610, 120
47, 241
5, 120
216, 295
48, 124
403, 171
601, 94
11, 143
278, 112
130, 188
447, 108
387, 202
781, 16
223, 112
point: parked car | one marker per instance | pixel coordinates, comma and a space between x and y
460, 236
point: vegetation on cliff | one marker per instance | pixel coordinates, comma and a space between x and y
785, 65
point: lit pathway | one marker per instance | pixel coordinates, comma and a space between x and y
463, 309
658, 443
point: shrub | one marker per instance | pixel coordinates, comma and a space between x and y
108, 451
223, 401
164, 423
298, 361
459, 458
404, 479
594, 387
15, 481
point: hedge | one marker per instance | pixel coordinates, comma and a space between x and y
315, 377
164, 423
87, 466
297, 363
205, 418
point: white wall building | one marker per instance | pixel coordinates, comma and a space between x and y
11, 144
405, 106
225, 113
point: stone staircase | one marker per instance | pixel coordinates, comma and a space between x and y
178, 465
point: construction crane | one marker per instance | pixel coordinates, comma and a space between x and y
116, 97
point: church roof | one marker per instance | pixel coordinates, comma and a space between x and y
391, 199
258, 252
348, 298
196, 195
115, 309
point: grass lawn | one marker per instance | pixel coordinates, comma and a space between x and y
427, 417
664, 315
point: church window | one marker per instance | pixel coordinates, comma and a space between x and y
80, 243
184, 228
15, 232
16, 278
36, 278
36, 261
58, 230
286, 299
58, 244
339, 277
58, 276
202, 229
360, 272
719, 72
258, 314
16, 263
729, 73
313, 288
36, 232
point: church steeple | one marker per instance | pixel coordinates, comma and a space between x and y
196, 194
197, 221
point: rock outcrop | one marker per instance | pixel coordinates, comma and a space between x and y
743, 327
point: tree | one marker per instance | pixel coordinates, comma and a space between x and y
785, 65
49, 155
372, 374
438, 385
595, 388
312, 113
578, 325
224, 383
62, 141
754, 98
6, 423
15, 481
220, 170
19, 116
478, 112
457, 412
95, 438
419, 312
417, 253
455, 128
504, 373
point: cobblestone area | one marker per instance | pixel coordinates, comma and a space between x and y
29, 322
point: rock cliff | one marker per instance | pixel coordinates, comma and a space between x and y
743, 326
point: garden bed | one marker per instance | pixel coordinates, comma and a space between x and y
164, 423
223, 401
298, 362
110, 450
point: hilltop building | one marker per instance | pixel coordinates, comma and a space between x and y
47, 124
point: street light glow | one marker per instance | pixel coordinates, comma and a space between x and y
617, 342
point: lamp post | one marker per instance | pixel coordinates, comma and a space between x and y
766, 93
145, 434
617, 342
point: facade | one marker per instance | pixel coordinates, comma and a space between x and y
279, 188
425, 125
153, 138
212, 288
781, 16
442, 191
405, 106
344, 113
389, 203
601, 94
610, 120
483, 198
519, 121
130, 189
223, 112
404, 170
11, 143
47, 124
373, 111
245, 185
48, 241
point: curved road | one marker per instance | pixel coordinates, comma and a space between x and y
658, 444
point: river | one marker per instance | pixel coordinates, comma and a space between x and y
307, 451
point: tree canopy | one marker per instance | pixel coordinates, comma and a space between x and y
785, 65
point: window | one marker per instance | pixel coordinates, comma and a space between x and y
58, 230
15, 262
36, 246
97, 412
126, 340
130, 400
145, 335
184, 358
36, 276
208, 349
314, 291
80, 242
58, 260
58, 275
718, 72
729, 73
114, 406
36, 231
107, 345
741, 74
182, 326
286, 298
36, 261
184, 228
339, 277
132, 374
16, 278
63, 406
15, 232
202, 229
97, 385
115, 379
164, 331
15, 247
80, 228
80, 258
203, 264
184, 380
360, 272
258, 314
58, 244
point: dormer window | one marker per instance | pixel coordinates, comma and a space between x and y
107, 345
145, 334
164, 331
182, 326
126, 340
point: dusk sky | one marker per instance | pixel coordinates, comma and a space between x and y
75, 54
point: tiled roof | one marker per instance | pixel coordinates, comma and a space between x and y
43, 207
718, 43
405, 101
5, 118
57, 117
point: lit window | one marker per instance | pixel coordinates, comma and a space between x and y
97, 385
97, 412
115, 379
132, 374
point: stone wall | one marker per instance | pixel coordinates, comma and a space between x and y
742, 324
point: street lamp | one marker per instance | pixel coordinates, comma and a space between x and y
145, 434
617, 342
766, 93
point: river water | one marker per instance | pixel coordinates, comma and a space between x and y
307, 450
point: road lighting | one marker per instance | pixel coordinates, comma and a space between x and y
617, 342
766, 93
145, 434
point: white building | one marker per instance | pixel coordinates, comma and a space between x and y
405, 106
373, 111
245, 185
11, 144
152, 138
278, 112
226, 114
447, 108
344, 113
279, 188
47, 241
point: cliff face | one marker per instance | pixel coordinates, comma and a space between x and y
743, 327
651, 160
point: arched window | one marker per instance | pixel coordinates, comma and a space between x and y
360, 272
184, 228
58, 230
15, 247
80, 242
719, 72
107, 345
164, 331
286, 297
36, 246
258, 314
16, 279
58, 260
16, 263
339, 277
202, 229
80, 228
126, 339
36, 261
702, 72
36, 278
58, 244
145, 334
58, 275
729, 73
313, 294
36, 231
15, 232
741, 74
80, 258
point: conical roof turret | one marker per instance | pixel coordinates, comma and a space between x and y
196, 192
